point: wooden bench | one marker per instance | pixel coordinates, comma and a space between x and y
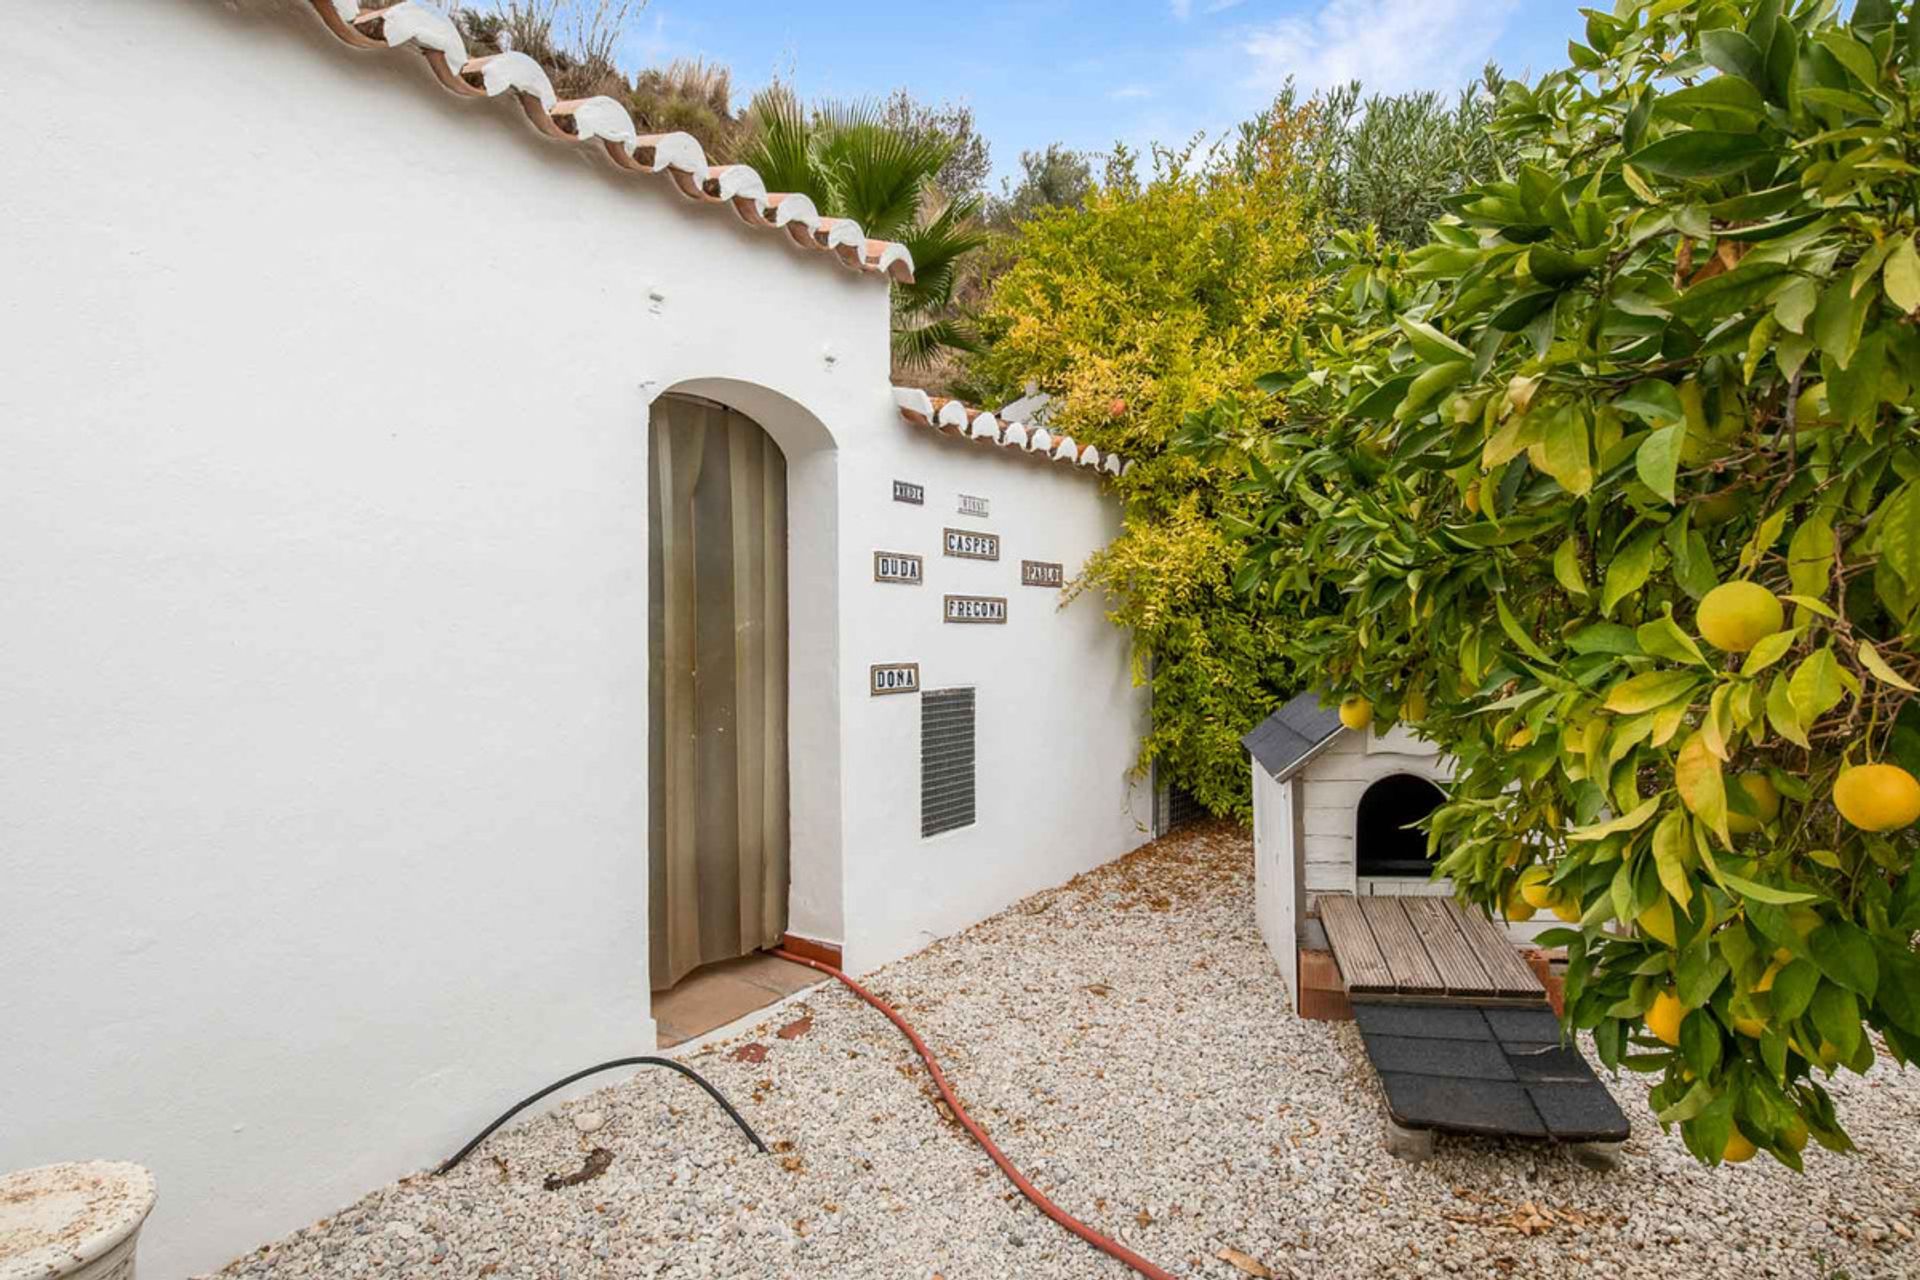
1458, 1027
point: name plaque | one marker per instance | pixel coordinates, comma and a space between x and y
976, 609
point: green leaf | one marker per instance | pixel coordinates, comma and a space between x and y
1783, 715
1658, 458
1795, 303
1810, 556
1839, 319
1764, 893
1870, 658
1663, 638
1701, 153
1629, 570
1511, 625
1836, 1016
1431, 345
1604, 637
1899, 519
1653, 689
1815, 687
1652, 399
1901, 276
1568, 459
1430, 386
1566, 566
1628, 822
1671, 842
1702, 787
1769, 651
1735, 53
1844, 952
1793, 988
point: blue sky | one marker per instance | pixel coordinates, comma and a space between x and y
1090, 72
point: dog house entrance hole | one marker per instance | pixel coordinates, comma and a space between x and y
1386, 843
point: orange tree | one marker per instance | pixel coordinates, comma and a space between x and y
1613, 489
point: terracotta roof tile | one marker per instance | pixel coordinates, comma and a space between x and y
606, 123
951, 417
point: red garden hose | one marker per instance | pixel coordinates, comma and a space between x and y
1112, 1248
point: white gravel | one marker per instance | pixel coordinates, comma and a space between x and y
1125, 1039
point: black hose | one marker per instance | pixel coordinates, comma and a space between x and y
669, 1063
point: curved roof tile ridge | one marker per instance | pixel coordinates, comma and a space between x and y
608, 123
953, 418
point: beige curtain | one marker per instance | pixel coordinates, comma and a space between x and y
717, 579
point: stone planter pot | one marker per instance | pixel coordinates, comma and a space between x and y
73, 1221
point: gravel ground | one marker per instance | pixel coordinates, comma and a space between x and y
1125, 1039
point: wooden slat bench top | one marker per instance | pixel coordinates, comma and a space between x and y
1413, 969
1422, 947
1362, 966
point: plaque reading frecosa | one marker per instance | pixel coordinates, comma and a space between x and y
971, 546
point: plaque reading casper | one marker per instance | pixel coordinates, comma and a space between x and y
971, 546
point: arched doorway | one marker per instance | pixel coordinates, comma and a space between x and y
718, 787
1386, 843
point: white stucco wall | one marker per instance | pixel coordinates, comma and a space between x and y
323, 683
1058, 723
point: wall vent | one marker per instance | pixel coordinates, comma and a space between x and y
946, 760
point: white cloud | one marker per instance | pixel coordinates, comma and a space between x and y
1131, 91
1183, 9
1388, 45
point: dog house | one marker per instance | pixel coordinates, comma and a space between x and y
1336, 810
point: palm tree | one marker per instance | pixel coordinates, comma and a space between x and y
852, 164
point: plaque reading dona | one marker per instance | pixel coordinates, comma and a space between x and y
907, 491
893, 677
897, 566
976, 609
1041, 573
971, 546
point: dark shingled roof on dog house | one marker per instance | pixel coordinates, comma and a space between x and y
1285, 741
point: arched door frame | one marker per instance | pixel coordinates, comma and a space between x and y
815, 901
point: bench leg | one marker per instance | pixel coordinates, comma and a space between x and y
1601, 1156
1411, 1145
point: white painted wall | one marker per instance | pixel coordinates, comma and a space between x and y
1058, 721
322, 541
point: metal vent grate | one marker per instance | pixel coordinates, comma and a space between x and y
1182, 808
946, 760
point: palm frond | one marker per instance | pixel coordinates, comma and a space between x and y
919, 346
780, 146
881, 174
937, 247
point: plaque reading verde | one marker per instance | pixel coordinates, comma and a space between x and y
976, 609
893, 677
971, 546
1042, 573
906, 491
897, 566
